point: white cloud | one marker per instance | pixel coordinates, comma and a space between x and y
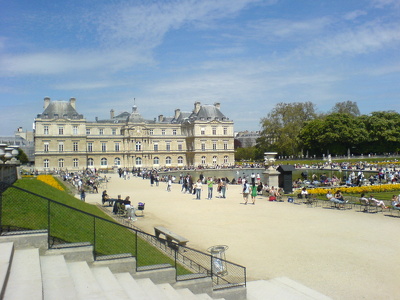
354, 14
364, 39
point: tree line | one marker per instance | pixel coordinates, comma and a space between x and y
296, 129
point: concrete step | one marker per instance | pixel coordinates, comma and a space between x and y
151, 289
130, 286
6, 256
25, 279
109, 283
279, 290
289, 283
204, 296
56, 279
187, 294
169, 291
85, 283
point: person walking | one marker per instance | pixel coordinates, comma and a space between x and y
224, 187
83, 195
253, 193
210, 183
246, 191
169, 183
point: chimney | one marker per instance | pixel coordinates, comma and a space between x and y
177, 113
160, 118
72, 102
111, 114
196, 107
46, 102
217, 105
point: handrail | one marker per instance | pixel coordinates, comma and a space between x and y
104, 234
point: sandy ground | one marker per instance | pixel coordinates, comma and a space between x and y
342, 254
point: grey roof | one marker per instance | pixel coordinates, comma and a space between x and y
60, 109
182, 117
207, 113
121, 118
135, 116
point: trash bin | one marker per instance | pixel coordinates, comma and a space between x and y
218, 259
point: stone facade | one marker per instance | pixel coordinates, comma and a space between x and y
64, 139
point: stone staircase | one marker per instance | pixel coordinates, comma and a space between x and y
28, 270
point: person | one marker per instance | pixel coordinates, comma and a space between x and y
104, 197
253, 178
396, 201
246, 191
83, 195
260, 188
210, 183
338, 198
377, 202
224, 187
169, 183
253, 192
329, 195
198, 188
117, 202
304, 192
273, 194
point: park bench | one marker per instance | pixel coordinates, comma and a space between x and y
170, 236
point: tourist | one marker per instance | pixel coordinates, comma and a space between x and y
104, 197
83, 195
198, 186
378, 203
253, 192
246, 191
169, 183
210, 183
224, 186
395, 201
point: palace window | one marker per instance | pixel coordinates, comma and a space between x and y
203, 160
225, 130
214, 145
138, 146
75, 146
162, 131
87, 131
202, 131
203, 146
168, 146
168, 160
226, 159
103, 161
61, 163
225, 145
114, 131
46, 129
75, 130
155, 147
61, 147
117, 161
116, 147
60, 130
214, 160
75, 162
214, 130
101, 131
46, 147
180, 160
156, 160
46, 163
138, 161
90, 162
174, 132
103, 147
90, 147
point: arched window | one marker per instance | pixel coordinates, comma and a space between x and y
117, 161
90, 162
156, 160
103, 161
61, 163
168, 160
215, 160
180, 160
46, 163
138, 161
226, 160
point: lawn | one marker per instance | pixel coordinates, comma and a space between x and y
71, 220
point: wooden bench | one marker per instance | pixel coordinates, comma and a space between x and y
170, 236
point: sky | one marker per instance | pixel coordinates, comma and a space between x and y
247, 55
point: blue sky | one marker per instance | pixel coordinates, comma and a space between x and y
247, 55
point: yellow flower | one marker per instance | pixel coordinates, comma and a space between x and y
49, 179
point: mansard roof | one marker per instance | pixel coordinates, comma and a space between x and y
60, 109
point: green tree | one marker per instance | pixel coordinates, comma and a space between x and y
247, 153
22, 157
346, 107
383, 132
334, 134
281, 128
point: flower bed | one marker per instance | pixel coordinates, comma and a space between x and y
49, 179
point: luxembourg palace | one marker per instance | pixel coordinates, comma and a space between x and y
65, 140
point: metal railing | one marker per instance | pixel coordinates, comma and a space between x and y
22, 210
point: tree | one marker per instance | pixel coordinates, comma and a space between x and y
22, 157
281, 128
383, 132
346, 107
334, 133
